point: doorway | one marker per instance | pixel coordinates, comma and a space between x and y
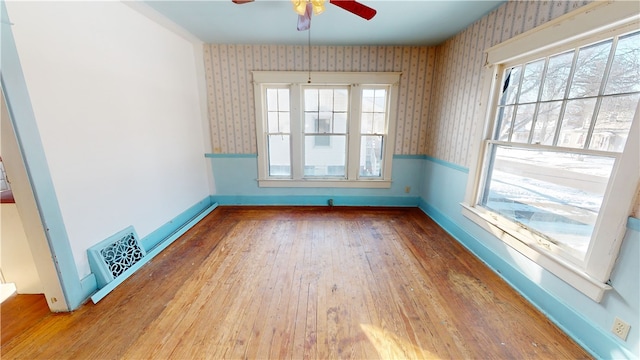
24, 261
18, 272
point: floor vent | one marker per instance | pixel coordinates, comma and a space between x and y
115, 255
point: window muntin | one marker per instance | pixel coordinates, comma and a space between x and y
561, 122
327, 143
373, 126
325, 131
279, 132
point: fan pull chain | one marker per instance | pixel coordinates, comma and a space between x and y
309, 46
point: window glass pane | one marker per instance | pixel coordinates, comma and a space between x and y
283, 99
272, 99
613, 122
311, 99
324, 122
329, 106
279, 155
557, 76
378, 123
285, 122
310, 122
272, 121
590, 66
324, 125
546, 122
523, 122
317, 123
366, 124
554, 193
380, 100
503, 119
341, 100
340, 123
370, 156
278, 122
327, 161
325, 100
531, 82
625, 69
374, 104
575, 124
368, 100
510, 85
278, 111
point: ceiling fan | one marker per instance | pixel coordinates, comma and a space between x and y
305, 8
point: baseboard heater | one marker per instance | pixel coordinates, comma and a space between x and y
119, 256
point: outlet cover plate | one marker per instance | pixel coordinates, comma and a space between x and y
620, 328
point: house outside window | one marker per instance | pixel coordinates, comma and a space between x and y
557, 154
336, 131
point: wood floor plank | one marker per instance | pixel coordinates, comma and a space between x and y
303, 282
19, 312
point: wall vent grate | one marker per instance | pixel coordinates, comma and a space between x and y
113, 256
122, 254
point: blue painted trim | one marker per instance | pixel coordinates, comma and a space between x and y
213, 156
447, 164
28, 136
89, 284
100, 294
152, 240
633, 223
226, 156
318, 200
402, 156
598, 342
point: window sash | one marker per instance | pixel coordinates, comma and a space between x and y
588, 24
561, 181
297, 83
517, 83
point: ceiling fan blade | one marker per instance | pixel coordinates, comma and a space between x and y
242, 1
356, 8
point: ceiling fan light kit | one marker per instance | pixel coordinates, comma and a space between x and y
300, 6
318, 7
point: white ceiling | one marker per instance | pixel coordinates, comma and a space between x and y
398, 22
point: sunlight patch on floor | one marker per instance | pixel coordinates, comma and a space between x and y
390, 346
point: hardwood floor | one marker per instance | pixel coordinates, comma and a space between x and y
303, 283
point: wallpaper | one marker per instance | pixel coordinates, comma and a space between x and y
231, 99
457, 91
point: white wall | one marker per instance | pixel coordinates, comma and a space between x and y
16, 261
117, 103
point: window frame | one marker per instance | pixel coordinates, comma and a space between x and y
590, 23
296, 81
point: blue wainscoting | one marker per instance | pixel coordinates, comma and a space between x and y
236, 175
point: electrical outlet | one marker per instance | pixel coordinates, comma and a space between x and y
407, 189
620, 328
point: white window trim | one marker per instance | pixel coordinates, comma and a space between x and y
295, 80
597, 20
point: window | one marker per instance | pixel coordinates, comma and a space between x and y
560, 137
336, 131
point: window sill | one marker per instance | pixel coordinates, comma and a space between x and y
563, 269
326, 183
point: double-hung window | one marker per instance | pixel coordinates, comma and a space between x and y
559, 160
336, 131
